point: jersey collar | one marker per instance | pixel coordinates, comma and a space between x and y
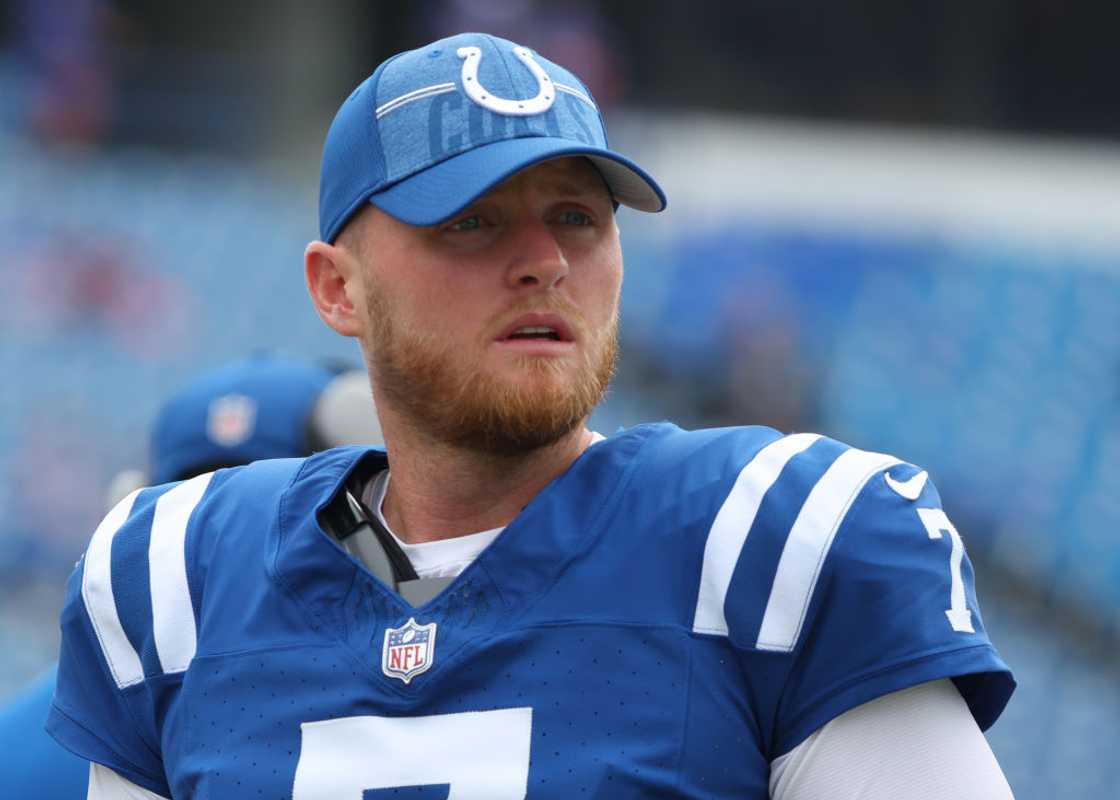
522, 564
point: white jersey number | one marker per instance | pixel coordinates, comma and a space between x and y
936, 522
479, 755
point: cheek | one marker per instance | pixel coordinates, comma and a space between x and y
603, 291
609, 271
448, 308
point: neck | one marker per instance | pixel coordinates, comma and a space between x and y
439, 491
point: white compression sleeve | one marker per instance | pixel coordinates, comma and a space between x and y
104, 784
920, 743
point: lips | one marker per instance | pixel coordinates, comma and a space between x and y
537, 326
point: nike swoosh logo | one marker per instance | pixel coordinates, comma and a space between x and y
909, 489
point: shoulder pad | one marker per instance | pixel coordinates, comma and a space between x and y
139, 580
777, 524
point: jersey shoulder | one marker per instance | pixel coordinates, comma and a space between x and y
670, 466
147, 562
154, 590
781, 500
841, 564
152, 564
694, 457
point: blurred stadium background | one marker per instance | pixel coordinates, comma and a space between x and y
895, 223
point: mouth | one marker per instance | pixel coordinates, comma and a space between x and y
538, 335
537, 327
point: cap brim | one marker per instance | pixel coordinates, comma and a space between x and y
443, 190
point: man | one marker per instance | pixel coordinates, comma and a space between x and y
505, 604
263, 407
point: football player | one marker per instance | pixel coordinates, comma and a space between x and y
506, 604
264, 407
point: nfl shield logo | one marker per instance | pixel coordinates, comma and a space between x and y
231, 419
409, 650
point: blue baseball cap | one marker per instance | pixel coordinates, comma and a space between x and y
246, 411
435, 128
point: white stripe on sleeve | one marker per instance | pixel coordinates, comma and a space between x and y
172, 613
732, 524
808, 544
97, 594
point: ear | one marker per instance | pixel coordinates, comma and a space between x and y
334, 282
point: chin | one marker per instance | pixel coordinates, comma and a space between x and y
537, 406
539, 372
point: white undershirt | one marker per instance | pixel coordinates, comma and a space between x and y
443, 558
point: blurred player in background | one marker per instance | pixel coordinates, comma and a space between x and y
264, 407
507, 604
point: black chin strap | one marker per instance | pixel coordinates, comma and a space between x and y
362, 534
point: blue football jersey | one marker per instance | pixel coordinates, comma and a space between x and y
32, 764
664, 619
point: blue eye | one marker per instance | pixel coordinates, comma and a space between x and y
574, 217
471, 223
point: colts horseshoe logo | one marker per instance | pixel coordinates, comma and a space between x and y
546, 95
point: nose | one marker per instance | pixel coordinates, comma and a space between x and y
538, 260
